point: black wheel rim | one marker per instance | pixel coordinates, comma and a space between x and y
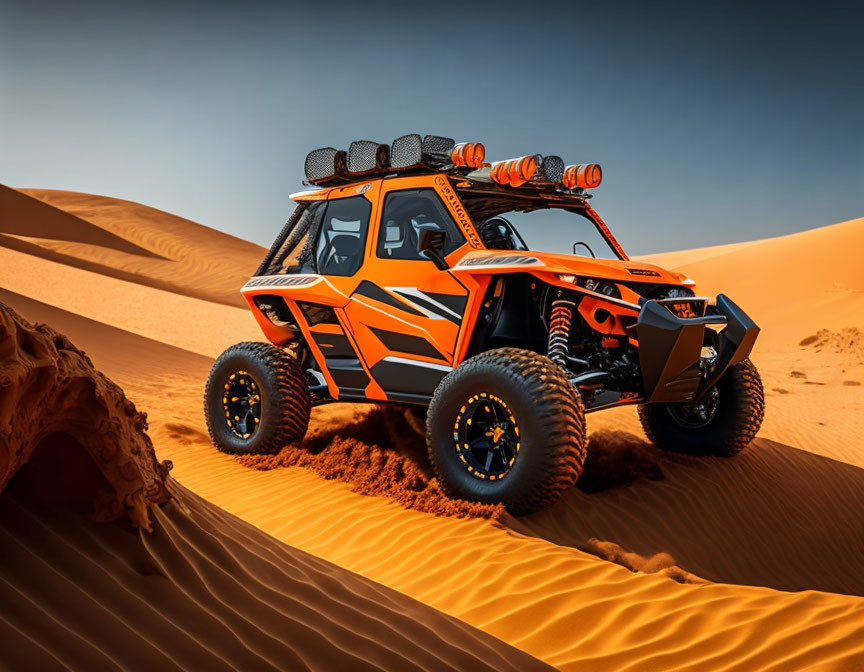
696, 416
486, 436
241, 401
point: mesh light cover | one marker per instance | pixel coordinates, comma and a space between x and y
550, 169
406, 152
365, 156
324, 164
436, 150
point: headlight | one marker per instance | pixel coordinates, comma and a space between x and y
678, 292
604, 287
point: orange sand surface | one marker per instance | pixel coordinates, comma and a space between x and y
109, 564
652, 562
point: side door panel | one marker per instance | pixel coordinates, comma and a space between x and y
406, 316
331, 341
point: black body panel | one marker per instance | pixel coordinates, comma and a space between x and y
334, 345
412, 345
349, 376
455, 302
670, 350
373, 291
407, 378
431, 307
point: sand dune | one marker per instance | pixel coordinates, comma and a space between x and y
184, 321
199, 589
793, 285
719, 518
205, 590
129, 241
27, 217
785, 514
126, 355
556, 602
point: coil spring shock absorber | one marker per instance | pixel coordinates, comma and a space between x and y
559, 331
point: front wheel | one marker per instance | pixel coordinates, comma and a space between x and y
724, 422
506, 426
257, 400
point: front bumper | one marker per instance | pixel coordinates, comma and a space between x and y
670, 349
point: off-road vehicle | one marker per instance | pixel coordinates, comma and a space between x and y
404, 277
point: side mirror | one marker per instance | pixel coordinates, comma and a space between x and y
431, 243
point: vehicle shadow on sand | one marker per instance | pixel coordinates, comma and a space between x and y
772, 516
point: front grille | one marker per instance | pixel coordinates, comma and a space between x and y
686, 307
651, 290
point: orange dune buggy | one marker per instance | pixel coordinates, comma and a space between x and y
404, 277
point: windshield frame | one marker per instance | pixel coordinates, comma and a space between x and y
481, 204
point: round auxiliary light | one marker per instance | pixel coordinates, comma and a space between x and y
514, 178
498, 172
479, 155
584, 176
468, 154
521, 170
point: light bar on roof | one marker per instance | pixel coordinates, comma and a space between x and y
365, 156
550, 170
436, 150
325, 164
437, 153
514, 172
583, 176
406, 152
468, 155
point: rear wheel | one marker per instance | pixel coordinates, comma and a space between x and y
506, 426
724, 422
257, 399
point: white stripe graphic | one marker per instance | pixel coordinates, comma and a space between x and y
413, 291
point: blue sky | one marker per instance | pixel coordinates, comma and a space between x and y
714, 122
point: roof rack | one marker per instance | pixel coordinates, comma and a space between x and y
410, 153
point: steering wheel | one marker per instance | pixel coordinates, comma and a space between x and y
586, 246
492, 236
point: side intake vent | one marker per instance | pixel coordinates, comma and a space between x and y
276, 310
317, 314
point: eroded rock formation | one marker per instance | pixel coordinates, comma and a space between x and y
56, 411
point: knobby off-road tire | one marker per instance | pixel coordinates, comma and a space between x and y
285, 401
551, 429
740, 409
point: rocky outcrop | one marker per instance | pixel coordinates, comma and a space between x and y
54, 403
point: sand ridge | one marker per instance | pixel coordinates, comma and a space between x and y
204, 590
129, 241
